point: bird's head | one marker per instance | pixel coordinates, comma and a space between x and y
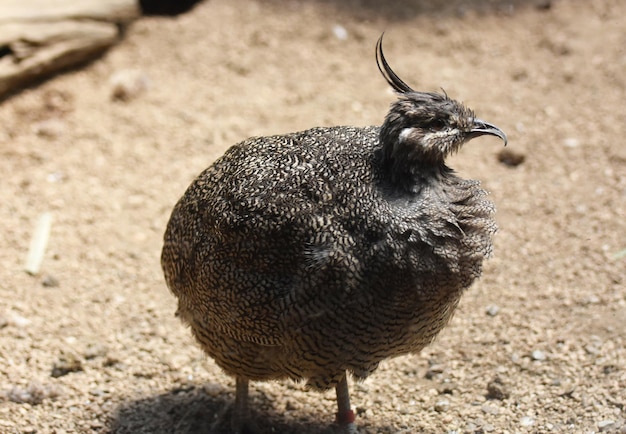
423, 128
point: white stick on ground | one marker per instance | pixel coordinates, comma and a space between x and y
38, 244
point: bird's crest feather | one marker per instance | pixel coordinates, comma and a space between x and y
392, 78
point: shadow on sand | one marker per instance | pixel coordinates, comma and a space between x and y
191, 410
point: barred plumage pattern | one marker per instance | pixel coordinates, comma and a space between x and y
291, 258
322, 252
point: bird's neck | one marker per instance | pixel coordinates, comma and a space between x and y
404, 172
404, 163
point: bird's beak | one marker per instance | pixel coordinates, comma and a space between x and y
481, 128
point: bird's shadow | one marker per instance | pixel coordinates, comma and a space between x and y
191, 410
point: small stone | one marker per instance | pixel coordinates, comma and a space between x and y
527, 421
493, 310
571, 142
340, 32
519, 74
54, 177
50, 281
592, 299
447, 387
490, 409
34, 394
511, 158
538, 355
606, 425
49, 128
94, 350
113, 361
433, 371
496, 389
20, 396
128, 84
18, 320
471, 427
442, 405
213, 389
66, 364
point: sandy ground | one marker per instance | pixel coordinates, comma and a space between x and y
91, 344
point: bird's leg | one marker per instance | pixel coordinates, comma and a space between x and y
240, 412
345, 415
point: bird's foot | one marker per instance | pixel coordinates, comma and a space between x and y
345, 422
346, 428
345, 418
246, 428
227, 421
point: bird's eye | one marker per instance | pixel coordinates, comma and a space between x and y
437, 124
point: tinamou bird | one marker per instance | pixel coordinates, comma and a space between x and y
320, 253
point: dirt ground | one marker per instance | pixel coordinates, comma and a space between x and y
91, 344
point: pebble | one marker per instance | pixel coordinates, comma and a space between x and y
50, 281
527, 421
447, 387
493, 310
606, 425
433, 371
496, 389
490, 409
49, 128
54, 177
511, 158
18, 320
340, 32
66, 364
471, 427
128, 84
538, 355
95, 349
33, 394
213, 389
592, 299
442, 405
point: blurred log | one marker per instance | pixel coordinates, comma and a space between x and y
40, 37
